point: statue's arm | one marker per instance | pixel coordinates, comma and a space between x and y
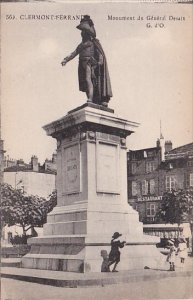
69, 57
72, 55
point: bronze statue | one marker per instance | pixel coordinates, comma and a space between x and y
92, 70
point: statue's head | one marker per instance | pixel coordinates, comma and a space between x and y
85, 35
86, 18
87, 25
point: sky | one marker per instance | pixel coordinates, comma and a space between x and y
150, 70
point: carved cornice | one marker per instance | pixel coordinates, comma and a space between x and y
89, 119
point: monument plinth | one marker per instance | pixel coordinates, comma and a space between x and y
91, 197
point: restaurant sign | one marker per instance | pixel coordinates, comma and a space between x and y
150, 198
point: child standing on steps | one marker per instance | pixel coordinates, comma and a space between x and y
114, 255
182, 250
171, 258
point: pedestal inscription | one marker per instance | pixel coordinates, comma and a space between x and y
71, 169
107, 168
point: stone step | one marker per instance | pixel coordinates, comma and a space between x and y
58, 239
66, 216
60, 245
66, 249
54, 256
56, 262
11, 262
71, 227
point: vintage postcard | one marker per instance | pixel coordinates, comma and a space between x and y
96, 136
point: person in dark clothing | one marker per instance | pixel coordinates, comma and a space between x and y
114, 255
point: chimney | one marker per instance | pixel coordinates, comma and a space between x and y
168, 146
158, 143
34, 163
161, 141
162, 148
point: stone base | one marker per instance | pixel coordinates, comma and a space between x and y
97, 223
91, 197
74, 280
76, 234
75, 254
93, 105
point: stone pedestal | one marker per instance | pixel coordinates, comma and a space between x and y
92, 197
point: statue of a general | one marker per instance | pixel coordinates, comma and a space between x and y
92, 70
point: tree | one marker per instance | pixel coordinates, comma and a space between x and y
26, 211
177, 207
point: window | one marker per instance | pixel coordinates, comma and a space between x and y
190, 163
152, 186
9, 237
133, 168
151, 153
170, 183
150, 210
191, 179
144, 187
150, 166
134, 188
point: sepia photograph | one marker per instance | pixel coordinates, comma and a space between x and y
96, 150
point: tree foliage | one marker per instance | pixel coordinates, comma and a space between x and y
27, 211
176, 207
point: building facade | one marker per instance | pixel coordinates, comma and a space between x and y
153, 171
33, 179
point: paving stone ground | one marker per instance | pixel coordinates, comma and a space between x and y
71, 279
